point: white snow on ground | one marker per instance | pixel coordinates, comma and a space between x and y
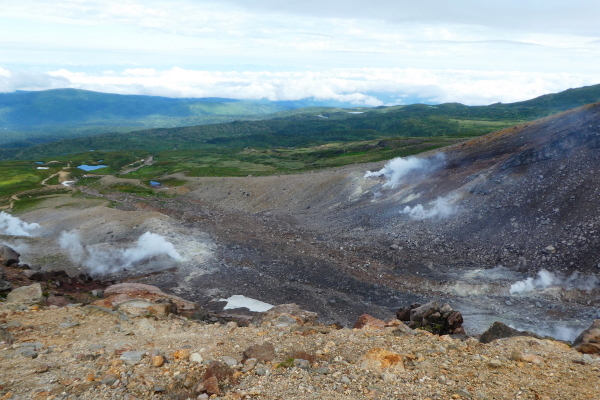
239, 301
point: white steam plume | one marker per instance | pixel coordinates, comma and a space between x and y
10, 225
398, 168
101, 260
439, 208
546, 279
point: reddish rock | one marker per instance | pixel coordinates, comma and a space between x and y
182, 355
262, 352
58, 301
589, 340
380, 359
211, 386
366, 321
123, 292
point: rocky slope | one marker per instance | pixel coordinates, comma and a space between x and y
477, 219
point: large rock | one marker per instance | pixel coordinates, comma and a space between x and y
589, 340
441, 320
27, 295
8, 256
368, 322
498, 330
288, 314
144, 308
120, 293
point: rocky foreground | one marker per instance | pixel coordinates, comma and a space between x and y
134, 343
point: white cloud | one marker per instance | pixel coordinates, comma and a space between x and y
357, 85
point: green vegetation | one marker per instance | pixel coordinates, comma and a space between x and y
293, 141
32, 118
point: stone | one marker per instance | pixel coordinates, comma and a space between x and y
495, 363
140, 307
28, 352
8, 256
221, 373
97, 293
181, 355
132, 357
232, 362
588, 342
26, 295
261, 352
123, 292
378, 359
498, 330
58, 301
158, 361
303, 317
5, 285
403, 314
211, 386
440, 320
518, 355
196, 358
5, 336
368, 322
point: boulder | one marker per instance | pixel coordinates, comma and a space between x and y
122, 292
403, 314
441, 320
368, 322
8, 256
289, 314
143, 308
498, 330
27, 295
589, 340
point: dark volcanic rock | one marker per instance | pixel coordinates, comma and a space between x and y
403, 314
589, 340
8, 256
498, 330
441, 320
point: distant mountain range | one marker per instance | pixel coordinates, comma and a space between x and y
30, 118
289, 128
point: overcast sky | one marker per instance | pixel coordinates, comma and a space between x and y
381, 52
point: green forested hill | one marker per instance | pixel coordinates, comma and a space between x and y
319, 125
29, 118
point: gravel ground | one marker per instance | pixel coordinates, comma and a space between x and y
78, 355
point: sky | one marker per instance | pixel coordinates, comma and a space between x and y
367, 53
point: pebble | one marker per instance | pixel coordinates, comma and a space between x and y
132, 357
158, 361
196, 358
495, 363
181, 355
